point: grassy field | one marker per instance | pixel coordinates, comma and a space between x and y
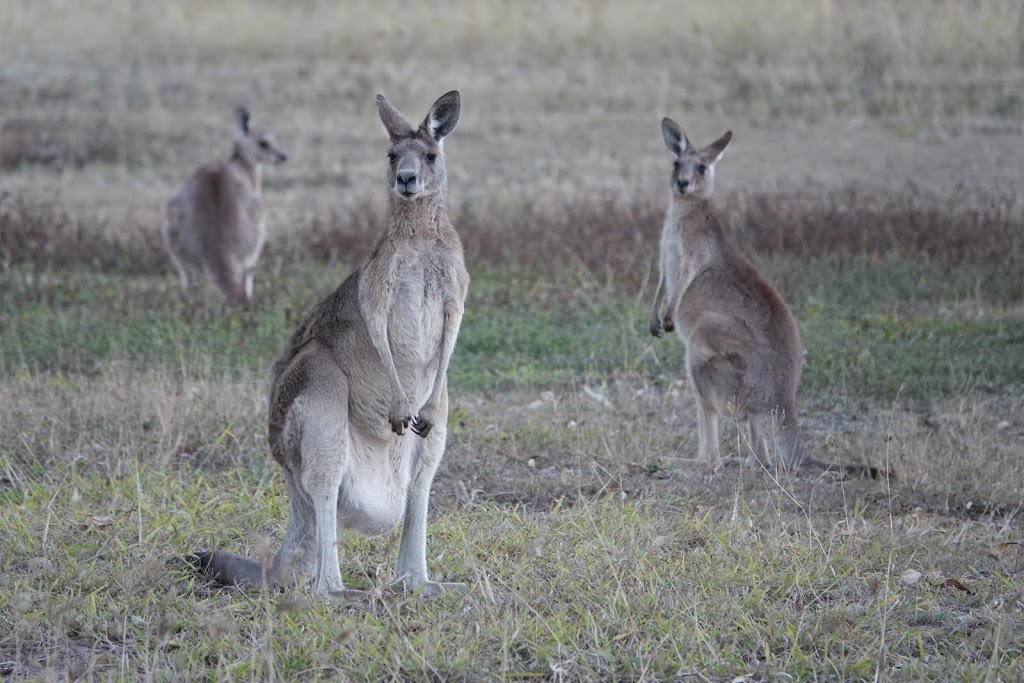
875, 179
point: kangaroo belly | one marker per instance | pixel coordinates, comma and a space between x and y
372, 496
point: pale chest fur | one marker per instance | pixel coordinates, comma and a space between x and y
684, 250
427, 277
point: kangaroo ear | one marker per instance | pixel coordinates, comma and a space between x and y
444, 115
242, 119
673, 135
394, 123
713, 152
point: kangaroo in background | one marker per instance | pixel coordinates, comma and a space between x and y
367, 364
216, 223
743, 352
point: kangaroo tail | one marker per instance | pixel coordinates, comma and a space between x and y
228, 569
796, 456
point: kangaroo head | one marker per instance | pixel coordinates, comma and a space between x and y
258, 146
693, 172
416, 157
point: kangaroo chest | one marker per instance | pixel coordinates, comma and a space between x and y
425, 281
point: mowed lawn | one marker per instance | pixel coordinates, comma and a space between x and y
874, 179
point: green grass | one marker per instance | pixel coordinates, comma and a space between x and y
869, 328
600, 590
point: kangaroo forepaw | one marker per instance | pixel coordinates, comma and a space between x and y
422, 426
655, 327
668, 324
399, 422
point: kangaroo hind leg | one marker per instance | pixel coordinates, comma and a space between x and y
320, 419
411, 568
297, 557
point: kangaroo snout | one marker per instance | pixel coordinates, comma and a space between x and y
406, 181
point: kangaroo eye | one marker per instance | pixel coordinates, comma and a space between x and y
431, 157
264, 144
392, 157
675, 165
701, 169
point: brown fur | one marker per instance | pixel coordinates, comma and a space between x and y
216, 223
743, 352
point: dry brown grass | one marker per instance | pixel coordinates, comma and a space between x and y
535, 448
605, 233
881, 35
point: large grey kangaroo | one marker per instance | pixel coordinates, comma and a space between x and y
367, 366
743, 352
216, 223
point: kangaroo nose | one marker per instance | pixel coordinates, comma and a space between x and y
683, 184
406, 177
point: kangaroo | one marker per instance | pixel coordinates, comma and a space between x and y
216, 223
367, 364
743, 352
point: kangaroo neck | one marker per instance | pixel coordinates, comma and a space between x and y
695, 220
699, 233
250, 168
424, 217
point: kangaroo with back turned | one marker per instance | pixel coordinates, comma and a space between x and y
216, 223
743, 352
359, 399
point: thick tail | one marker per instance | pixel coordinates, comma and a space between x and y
795, 455
228, 569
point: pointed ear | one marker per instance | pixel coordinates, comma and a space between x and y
673, 135
713, 152
242, 119
394, 123
444, 115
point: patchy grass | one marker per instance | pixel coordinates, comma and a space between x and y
871, 327
603, 589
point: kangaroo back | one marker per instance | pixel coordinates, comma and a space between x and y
216, 224
743, 352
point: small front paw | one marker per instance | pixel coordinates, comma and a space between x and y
655, 327
668, 324
400, 417
422, 425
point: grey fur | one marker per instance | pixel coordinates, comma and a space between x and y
743, 351
358, 411
216, 223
